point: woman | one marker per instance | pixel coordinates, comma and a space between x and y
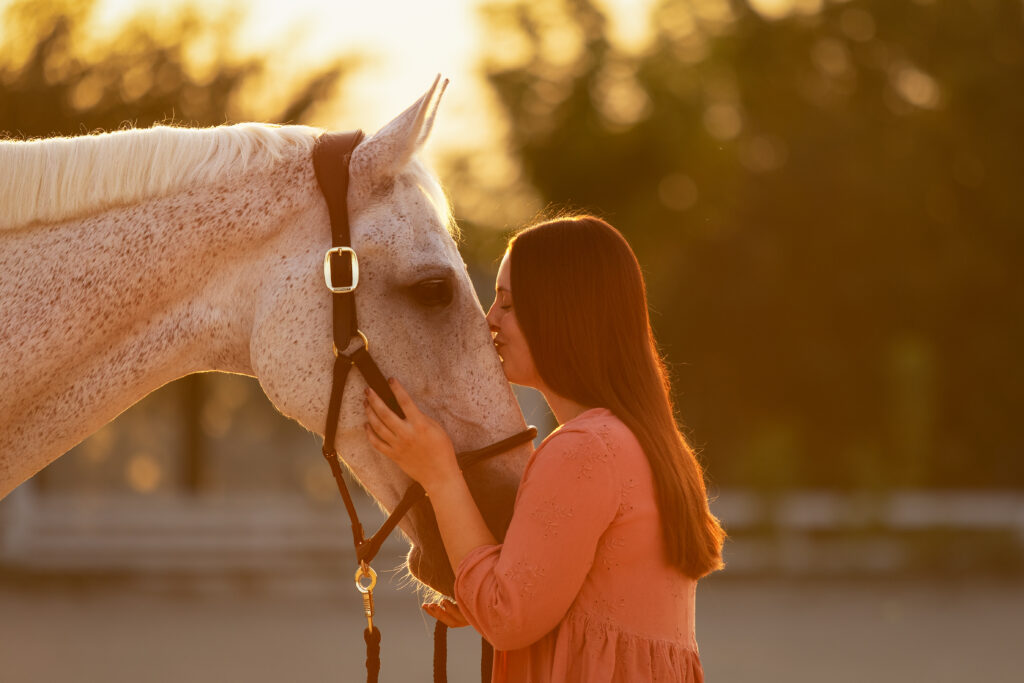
596, 578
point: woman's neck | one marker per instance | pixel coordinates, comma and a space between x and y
564, 409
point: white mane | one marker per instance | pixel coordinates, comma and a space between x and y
62, 178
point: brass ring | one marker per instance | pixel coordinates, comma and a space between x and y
365, 571
366, 343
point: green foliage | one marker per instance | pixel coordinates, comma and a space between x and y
827, 207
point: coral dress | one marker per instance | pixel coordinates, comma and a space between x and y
580, 590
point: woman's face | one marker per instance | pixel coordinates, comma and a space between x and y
508, 338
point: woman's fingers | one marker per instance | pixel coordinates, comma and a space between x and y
384, 415
375, 423
408, 406
453, 611
446, 612
376, 441
379, 434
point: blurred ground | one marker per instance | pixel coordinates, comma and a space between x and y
748, 629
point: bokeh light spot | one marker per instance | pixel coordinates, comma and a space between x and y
619, 98
772, 9
87, 93
677, 192
831, 57
915, 86
723, 121
763, 153
143, 473
857, 24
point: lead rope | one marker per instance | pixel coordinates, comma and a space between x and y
441, 655
372, 639
440, 652
486, 660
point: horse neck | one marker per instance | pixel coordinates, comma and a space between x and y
101, 311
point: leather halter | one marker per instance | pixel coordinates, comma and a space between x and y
331, 156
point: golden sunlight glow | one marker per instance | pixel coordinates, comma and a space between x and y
772, 9
779, 9
404, 45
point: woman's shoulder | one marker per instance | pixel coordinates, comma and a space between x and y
597, 429
606, 426
579, 451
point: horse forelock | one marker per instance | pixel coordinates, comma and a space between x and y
56, 179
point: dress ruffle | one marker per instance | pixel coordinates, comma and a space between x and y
588, 649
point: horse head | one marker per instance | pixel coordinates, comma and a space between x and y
423, 322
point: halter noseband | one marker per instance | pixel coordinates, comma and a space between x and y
331, 156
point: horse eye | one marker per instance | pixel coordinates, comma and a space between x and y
432, 292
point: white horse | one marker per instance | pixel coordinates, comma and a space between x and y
133, 258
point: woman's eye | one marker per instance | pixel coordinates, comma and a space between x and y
432, 292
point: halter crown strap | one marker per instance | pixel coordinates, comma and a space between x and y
331, 157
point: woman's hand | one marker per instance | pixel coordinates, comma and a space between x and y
446, 612
423, 450
418, 444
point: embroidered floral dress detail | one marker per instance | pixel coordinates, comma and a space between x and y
526, 575
550, 514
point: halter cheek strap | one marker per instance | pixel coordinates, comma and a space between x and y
331, 156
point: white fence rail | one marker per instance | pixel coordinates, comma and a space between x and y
802, 532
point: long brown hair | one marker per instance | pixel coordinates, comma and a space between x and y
581, 303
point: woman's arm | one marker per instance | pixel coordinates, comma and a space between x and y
462, 526
517, 592
424, 451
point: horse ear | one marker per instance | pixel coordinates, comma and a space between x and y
380, 158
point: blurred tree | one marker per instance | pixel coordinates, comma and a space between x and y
826, 205
57, 78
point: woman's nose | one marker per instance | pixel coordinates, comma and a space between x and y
492, 317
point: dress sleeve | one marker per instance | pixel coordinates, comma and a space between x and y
517, 592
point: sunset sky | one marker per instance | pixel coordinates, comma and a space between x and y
405, 44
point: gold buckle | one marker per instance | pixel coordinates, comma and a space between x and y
341, 289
